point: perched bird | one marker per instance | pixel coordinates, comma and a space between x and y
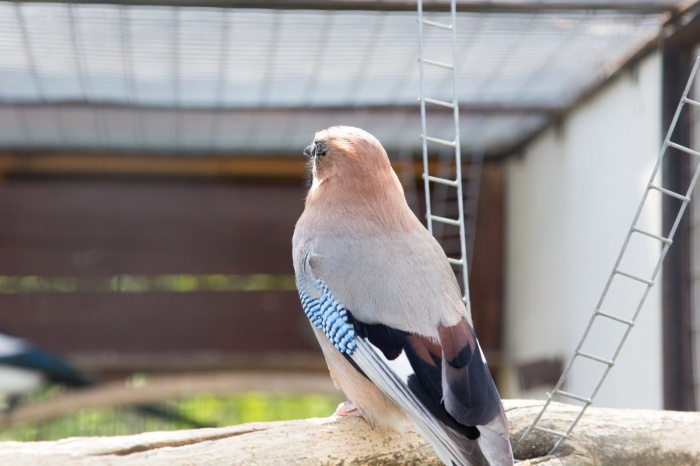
25, 368
386, 307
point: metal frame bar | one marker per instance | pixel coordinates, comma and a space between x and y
221, 79
616, 272
455, 144
505, 6
36, 81
176, 58
129, 79
81, 74
471, 109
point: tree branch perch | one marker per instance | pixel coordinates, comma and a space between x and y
604, 436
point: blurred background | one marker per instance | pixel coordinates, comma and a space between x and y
151, 174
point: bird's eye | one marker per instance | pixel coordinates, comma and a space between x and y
315, 150
319, 149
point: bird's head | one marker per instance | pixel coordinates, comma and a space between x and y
341, 154
352, 183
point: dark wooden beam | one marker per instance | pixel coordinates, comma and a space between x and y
634, 7
682, 30
236, 166
676, 296
106, 163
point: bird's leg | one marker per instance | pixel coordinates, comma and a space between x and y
345, 409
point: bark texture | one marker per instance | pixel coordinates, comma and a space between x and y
604, 436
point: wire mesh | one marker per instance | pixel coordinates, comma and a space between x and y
620, 274
148, 78
445, 203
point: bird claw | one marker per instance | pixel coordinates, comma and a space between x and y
346, 409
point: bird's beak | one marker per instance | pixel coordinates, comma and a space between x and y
309, 151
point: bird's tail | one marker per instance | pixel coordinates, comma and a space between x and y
454, 448
451, 447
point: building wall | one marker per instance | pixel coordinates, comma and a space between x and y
145, 264
139, 273
570, 199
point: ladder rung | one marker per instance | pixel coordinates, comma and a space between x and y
652, 235
454, 261
619, 319
436, 24
670, 193
437, 179
550, 431
595, 358
441, 103
444, 142
691, 101
573, 396
438, 63
634, 277
684, 149
449, 221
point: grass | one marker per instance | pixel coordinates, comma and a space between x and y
207, 409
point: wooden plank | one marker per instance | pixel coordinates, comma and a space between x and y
94, 163
486, 280
106, 227
97, 227
246, 322
257, 167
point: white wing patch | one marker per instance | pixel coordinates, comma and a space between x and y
391, 378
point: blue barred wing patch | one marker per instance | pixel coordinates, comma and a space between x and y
329, 315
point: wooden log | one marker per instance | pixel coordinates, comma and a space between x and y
604, 436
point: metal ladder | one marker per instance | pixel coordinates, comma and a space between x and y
444, 202
452, 145
618, 272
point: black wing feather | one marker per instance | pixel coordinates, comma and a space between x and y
473, 397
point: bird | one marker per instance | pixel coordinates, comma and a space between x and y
25, 368
386, 308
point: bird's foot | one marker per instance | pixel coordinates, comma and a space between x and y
346, 409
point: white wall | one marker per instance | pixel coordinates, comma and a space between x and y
570, 200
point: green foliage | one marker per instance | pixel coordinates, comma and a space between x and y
212, 410
125, 283
257, 407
